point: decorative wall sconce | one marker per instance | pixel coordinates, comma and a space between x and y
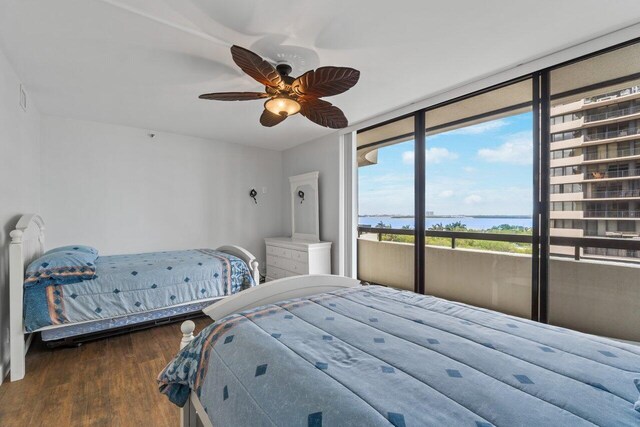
253, 193
301, 195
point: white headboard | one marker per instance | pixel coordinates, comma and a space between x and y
29, 233
27, 244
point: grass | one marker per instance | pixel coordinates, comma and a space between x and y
482, 245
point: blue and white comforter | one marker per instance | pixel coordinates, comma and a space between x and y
126, 284
377, 356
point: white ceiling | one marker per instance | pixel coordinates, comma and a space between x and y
143, 63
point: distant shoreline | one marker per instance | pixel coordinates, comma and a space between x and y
450, 216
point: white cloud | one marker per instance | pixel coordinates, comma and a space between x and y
472, 199
480, 128
445, 194
438, 154
434, 155
516, 150
408, 157
469, 169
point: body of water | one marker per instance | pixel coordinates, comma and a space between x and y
484, 223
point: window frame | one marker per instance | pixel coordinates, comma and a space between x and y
542, 138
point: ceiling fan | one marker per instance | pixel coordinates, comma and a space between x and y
287, 95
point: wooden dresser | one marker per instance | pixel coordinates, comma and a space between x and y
287, 257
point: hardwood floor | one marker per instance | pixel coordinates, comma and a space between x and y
110, 382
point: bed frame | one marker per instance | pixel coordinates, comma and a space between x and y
27, 244
193, 413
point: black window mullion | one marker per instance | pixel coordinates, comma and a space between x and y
545, 150
419, 199
535, 241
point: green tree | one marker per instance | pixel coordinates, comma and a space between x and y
456, 226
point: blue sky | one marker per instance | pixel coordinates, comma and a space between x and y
483, 169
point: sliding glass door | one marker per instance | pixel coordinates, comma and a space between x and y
523, 198
594, 268
479, 193
386, 202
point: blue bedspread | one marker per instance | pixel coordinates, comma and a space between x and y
377, 356
126, 284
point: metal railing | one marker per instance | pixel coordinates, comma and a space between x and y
612, 114
615, 194
611, 155
610, 134
577, 243
608, 252
612, 214
623, 173
612, 95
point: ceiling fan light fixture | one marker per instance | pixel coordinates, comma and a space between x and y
288, 95
282, 105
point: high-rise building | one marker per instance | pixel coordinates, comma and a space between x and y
595, 169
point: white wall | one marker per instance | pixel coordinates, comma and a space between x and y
19, 181
321, 155
115, 188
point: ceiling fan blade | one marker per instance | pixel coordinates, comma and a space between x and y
323, 113
268, 119
256, 67
234, 96
325, 81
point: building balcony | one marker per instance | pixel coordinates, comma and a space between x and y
619, 174
611, 135
611, 116
618, 214
502, 281
614, 194
613, 155
615, 253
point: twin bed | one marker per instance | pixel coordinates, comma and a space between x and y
103, 295
325, 350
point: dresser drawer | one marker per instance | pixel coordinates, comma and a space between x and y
296, 267
287, 264
277, 251
276, 273
300, 256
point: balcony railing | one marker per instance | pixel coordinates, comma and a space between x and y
612, 95
597, 136
612, 114
577, 243
608, 252
615, 194
505, 282
611, 155
612, 214
623, 173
